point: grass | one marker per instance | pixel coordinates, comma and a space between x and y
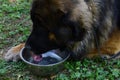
15, 27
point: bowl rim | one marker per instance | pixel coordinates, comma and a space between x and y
41, 65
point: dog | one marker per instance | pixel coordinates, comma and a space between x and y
85, 28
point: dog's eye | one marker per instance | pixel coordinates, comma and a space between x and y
52, 36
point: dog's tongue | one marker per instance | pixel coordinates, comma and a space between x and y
37, 57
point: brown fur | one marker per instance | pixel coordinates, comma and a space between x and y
110, 47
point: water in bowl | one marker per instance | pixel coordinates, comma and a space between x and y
49, 57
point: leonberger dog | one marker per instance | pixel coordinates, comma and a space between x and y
85, 28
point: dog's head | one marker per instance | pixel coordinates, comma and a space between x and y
55, 25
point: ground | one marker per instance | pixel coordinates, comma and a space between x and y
15, 27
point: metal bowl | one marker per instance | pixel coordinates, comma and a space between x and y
44, 70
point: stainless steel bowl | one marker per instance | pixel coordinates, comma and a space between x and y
44, 70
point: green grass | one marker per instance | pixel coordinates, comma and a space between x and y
15, 22
15, 27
